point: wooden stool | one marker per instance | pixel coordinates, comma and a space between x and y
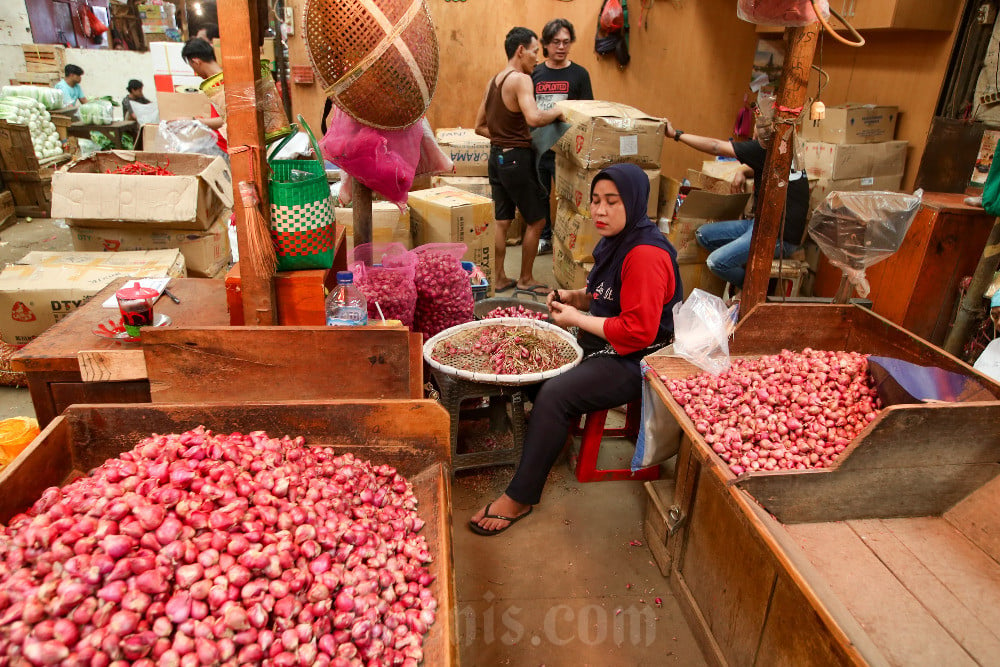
593, 432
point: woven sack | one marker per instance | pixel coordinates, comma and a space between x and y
302, 222
376, 59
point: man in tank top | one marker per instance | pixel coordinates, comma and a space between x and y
505, 116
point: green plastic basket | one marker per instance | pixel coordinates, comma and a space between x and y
302, 220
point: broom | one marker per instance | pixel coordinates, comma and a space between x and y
261, 258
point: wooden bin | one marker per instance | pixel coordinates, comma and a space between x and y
29, 180
44, 58
412, 436
889, 557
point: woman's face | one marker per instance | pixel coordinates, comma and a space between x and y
607, 208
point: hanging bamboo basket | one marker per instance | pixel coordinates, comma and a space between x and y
376, 59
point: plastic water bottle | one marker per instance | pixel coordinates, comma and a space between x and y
345, 305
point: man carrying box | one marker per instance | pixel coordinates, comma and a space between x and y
505, 114
728, 242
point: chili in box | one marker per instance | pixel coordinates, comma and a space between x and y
192, 198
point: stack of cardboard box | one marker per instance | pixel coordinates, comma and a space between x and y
470, 154
852, 149
390, 224
601, 133
449, 215
189, 210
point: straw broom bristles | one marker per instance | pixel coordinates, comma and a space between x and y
262, 259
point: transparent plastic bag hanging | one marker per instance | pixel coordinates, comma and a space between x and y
189, 136
784, 13
857, 229
702, 325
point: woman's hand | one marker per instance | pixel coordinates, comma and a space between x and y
565, 315
573, 297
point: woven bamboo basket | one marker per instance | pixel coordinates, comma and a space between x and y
376, 59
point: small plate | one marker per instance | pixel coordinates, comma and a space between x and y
115, 329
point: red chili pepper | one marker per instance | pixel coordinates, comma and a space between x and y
141, 169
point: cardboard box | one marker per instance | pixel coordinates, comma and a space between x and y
695, 274
450, 215
193, 198
151, 139
45, 287
853, 124
667, 199
603, 133
820, 188
183, 105
698, 208
843, 161
389, 225
576, 231
703, 181
573, 185
469, 152
568, 272
479, 185
205, 253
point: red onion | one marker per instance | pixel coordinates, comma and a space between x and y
128, 566
444, 293
789, 411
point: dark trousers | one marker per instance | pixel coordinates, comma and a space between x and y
598, 383
547, 175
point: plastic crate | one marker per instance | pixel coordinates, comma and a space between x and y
480, 291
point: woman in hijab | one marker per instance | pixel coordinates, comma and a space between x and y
623, 314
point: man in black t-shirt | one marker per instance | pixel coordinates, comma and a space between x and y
555, 80
728, 242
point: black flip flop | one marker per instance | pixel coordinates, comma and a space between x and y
512, 284
479, 530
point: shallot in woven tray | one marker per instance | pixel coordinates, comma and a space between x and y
507, 350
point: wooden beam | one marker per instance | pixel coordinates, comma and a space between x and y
771, 208
361, 201
111, 365
239, 30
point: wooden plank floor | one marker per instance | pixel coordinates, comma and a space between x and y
924, 593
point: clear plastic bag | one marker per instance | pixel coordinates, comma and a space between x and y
702, 325
385, 275
145, 114
97, 112
189, 136
785, 13
857, 229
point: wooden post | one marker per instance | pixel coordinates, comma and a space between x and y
972, 302
362, 203
240, 30
771, 208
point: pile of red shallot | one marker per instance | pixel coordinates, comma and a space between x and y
444, 293
789, 411
203, 549
394, 291
516, 311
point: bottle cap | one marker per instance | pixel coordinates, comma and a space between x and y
345, 276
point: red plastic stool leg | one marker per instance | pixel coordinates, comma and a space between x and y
590, 447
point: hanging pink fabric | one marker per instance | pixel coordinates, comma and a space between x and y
785, 13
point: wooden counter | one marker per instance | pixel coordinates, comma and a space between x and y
50, 361
889, 557
917, 287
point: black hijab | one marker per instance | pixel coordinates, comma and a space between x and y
605, 279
